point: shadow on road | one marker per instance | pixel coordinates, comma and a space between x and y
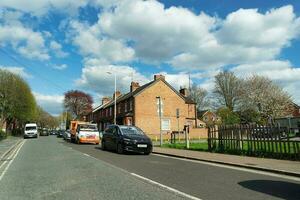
280, 189
124, 153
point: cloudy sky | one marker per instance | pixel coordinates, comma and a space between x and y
58, 45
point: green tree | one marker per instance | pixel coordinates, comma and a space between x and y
228, 117
17, 103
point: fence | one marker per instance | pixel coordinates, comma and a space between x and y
255, 140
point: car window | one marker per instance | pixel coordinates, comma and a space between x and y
114, 131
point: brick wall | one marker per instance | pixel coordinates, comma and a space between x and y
145, 108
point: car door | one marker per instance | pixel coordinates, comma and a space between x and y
107, 137
114, 137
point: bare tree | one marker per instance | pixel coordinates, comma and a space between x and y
78, 103
227, 89
199, 96
265, 97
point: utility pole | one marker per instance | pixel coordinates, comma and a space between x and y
115, 109
115, 98
160, 117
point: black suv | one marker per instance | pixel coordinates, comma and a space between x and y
126, 138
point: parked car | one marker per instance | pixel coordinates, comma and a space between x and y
67, 135
126, 138
60, 133
53, 132
44, 132
31, 130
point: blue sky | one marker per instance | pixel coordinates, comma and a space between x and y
61, 45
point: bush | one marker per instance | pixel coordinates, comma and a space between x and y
17, 132
3, 135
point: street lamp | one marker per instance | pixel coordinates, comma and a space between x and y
115, 99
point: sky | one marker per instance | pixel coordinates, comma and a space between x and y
63, 45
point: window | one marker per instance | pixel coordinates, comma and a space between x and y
125, 106
130, 104
165, 124
119, 108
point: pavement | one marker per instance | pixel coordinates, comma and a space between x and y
51, 168
286, 167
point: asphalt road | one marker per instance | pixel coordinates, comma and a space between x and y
46, 169
50, 168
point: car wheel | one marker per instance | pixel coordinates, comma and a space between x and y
120, 149
103, 147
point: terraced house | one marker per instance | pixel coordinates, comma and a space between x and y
140, 107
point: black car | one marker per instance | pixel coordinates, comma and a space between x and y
60, 133
126, 138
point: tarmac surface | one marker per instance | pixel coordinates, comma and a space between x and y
51, 168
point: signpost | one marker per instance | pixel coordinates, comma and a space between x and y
177, 116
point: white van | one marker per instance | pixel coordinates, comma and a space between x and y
31, 130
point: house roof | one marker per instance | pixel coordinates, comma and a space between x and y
139, 90
201, 112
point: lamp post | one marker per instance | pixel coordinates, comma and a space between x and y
115, 99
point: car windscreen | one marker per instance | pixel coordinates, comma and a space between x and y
129, 130
88, 127
30, 128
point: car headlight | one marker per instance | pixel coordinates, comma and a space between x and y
127, 141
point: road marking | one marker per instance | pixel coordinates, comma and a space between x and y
11, 159
234, 168
148, 180
86, 155
166, 187
6, 152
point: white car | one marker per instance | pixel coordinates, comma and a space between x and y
31, 131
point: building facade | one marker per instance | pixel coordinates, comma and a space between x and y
140, 107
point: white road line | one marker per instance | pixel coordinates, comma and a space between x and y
14, 155
166, 187
9, 157
86, 155
234, 168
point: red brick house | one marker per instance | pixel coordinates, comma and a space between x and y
139, 107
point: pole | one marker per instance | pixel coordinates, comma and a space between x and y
115, 109
159, 111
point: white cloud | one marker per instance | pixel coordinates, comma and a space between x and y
25, 41
17, 70
60, 67
177, 80
184, 39
282, 72
42, 7
157, 33
96, 78
57, 49
93, 44
51, 103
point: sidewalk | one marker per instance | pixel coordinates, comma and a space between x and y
7, 144
286, 167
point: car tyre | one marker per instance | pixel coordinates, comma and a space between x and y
120, 149
103, 147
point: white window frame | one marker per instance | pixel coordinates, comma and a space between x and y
163, 125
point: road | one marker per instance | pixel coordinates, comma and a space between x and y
50, 168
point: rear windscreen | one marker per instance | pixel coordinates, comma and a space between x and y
30, 128
88, 127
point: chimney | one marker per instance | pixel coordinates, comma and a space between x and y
134, 86
184, 91
105, 100
117, 93
159, 76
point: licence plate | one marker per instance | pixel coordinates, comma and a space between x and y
142, 145
90, 136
